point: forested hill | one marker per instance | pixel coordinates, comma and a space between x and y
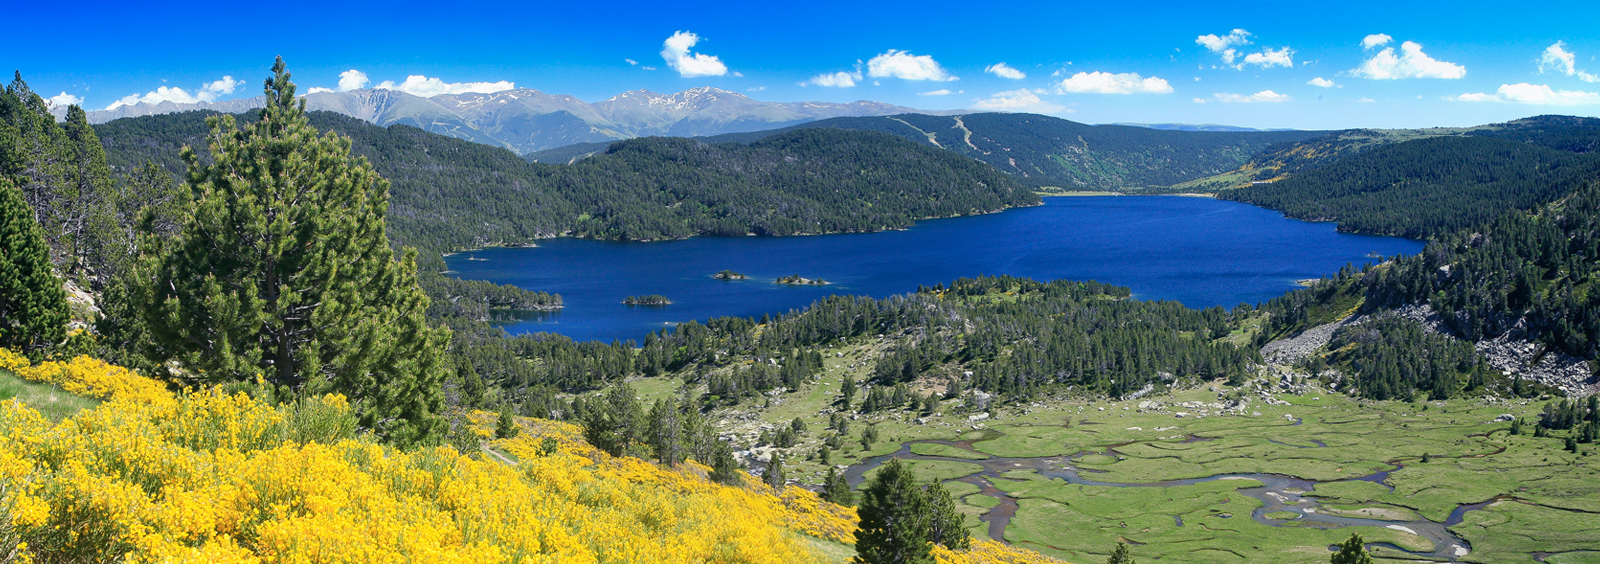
451, 194
1044, 151
1424, 187
1565, 133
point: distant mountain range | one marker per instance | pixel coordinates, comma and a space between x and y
527, 120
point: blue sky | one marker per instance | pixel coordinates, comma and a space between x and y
1395, 64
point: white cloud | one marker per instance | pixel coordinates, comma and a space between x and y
903, 65
755, 89
837, 79
1321, 82
1020, 100
419, 85
224, 86
632, 62
1367, 101
1268, 58
64, 99
1411, 63
1375, 40
675, 50
1199, 100
939, 92
208, 92
1003, 70
1535, 94
1108, 83
1224, 45
351, 80
1262, 96
1557, 58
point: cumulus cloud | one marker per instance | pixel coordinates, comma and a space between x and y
1535, 94
1375, 40
1020, 100
1003, 70
1199, 100
1410, 63
905, 66
632, 62
64, 99
223, 86
835, 79
1262, 96
1108, 83
939, 92
1557, 58
675, 51
1225, 45
208, 92
1269, 58
351, 80
348, 80
1322, 82
419, 85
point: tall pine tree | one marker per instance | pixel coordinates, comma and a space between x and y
894, 519
33, 307
284, 269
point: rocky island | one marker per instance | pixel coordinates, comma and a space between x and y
649, 300
796, 279
728, 275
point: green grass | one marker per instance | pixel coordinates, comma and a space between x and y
947, 451
50, 401
1559, 492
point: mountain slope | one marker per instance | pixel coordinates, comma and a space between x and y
1566, 133
526, 120
1424, 187
1046, 151
450, 194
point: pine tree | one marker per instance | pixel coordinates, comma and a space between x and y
773, 476
1120, 555
506, 427
97, 242
836, 490
944, 521
724, 469
284, 270
894, 519
1352, 551
666, 433
33, 307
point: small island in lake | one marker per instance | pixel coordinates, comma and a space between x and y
728, 275
650, 300
796, 279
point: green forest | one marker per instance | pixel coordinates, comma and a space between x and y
448, 194
1042, 151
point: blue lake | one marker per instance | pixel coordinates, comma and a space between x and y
1199, 251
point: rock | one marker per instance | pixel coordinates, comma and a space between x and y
1181, 414
978, 417
1504, 417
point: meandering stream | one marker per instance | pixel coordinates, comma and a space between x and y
1277, 493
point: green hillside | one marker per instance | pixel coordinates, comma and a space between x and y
451, 194
1422, 187
1042, 151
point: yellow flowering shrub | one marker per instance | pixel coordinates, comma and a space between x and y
152, 476
90, 377
986, 551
